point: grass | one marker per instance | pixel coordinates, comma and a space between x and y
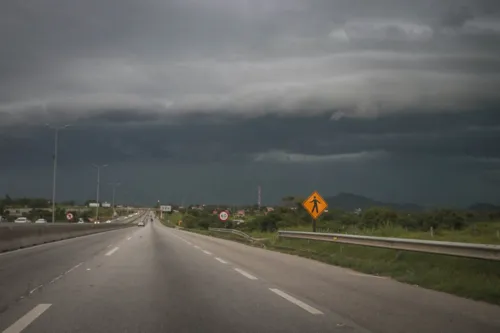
171, 220
471, 278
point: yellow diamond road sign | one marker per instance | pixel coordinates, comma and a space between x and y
315, 205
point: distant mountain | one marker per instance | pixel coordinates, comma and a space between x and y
350, 202
484, 207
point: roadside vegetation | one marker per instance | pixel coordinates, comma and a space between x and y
35, 208
471, 278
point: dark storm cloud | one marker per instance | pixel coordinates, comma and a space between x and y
234, 140
434, 159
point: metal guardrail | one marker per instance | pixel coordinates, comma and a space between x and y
234, 232
468, 250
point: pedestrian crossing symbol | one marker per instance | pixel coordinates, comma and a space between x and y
315, 205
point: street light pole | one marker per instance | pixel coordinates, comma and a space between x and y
54, 171
98, 187
115, 185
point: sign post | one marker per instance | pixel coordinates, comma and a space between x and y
315, 205
165, 208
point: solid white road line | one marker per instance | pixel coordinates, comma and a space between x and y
245, 274
295, 301
221, 261
206, 252
368, 275
27, 319
112, 251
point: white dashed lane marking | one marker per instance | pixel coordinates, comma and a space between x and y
295, 301
221, 260
27, 319
206, 252
35, 289
245, 274
112, 251
73, 268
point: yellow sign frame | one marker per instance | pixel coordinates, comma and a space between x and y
315, 209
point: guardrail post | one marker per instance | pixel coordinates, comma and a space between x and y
432, 232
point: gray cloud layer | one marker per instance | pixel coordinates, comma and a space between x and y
363, 57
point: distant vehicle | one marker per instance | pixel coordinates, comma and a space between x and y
80, 220
108, 221
22, 220
140, 224
41, 221
97, 222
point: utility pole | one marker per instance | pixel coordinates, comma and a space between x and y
54, 171
98, 187
115, 185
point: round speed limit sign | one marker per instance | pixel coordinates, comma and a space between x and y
223, 216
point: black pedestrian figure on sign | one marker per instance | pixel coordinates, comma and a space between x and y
315, 206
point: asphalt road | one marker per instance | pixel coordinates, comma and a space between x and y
156, 279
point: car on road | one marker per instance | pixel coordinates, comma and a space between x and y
108, 221
41, 221
140, 224
22, 220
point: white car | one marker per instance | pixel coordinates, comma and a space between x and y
41, 221
140, 224
22, 220
108, 221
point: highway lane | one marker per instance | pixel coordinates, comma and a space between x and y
156, 279
26, 270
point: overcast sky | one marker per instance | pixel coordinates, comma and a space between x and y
203, 100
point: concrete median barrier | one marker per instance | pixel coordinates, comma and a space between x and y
13, 237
